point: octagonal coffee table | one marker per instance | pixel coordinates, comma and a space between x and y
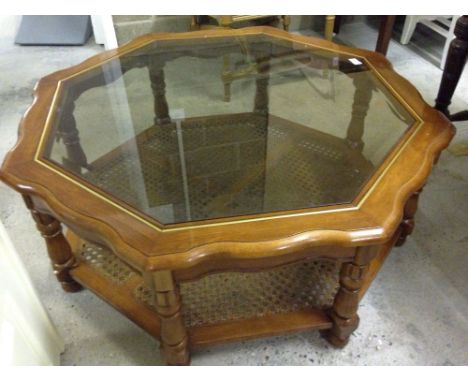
205, 221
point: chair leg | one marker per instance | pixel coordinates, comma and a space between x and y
329, 25
454, 65
286, 22
226, 22
408, 29
448, 40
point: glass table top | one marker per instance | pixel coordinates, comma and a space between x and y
193, 129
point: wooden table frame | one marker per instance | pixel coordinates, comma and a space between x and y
358, 235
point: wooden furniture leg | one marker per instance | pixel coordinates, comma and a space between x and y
329, 26
158, 87
226, 22
337, 24
58, 248
361, 101
174, 338
261, 93
385, 34
344, 311
67, 131
286, 22
407, 224
453, 69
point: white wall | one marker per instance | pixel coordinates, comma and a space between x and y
27, 335
9, 25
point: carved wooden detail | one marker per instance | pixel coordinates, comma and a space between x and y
158, 86
167, 302
202, 248
361, 101
344, 311
57, 246
67, 131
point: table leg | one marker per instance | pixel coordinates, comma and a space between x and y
158, 86
227, 77
385, 34
261, 94
344, 311
454, 65
174, 338
361, 101
407, 224
226, 23
58, 248
67, 131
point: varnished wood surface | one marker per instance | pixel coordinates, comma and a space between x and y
369, 221
358, 235
377, 262
286, 323
122, 299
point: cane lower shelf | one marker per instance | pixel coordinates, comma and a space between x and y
290, 298
205, 218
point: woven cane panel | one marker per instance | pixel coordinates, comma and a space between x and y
105, 262
235, 296
234, 165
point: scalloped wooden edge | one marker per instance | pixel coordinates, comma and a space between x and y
234, 250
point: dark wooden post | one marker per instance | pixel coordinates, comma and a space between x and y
174, 338
58, 248
158, 86
385, 34
456, 59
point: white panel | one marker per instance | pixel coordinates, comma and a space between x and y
27, 335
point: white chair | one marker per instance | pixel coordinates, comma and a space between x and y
444, 25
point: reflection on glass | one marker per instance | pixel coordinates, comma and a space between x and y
209, 128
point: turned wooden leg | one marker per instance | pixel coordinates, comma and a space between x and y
329, 26
286, 22
344, 311
453, 69
407, 224
58, 248
158, 86
261, 94
174, 338
361, 101
67, 131
194, 25
226, 22
227, 77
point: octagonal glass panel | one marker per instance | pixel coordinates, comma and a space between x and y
186, 130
